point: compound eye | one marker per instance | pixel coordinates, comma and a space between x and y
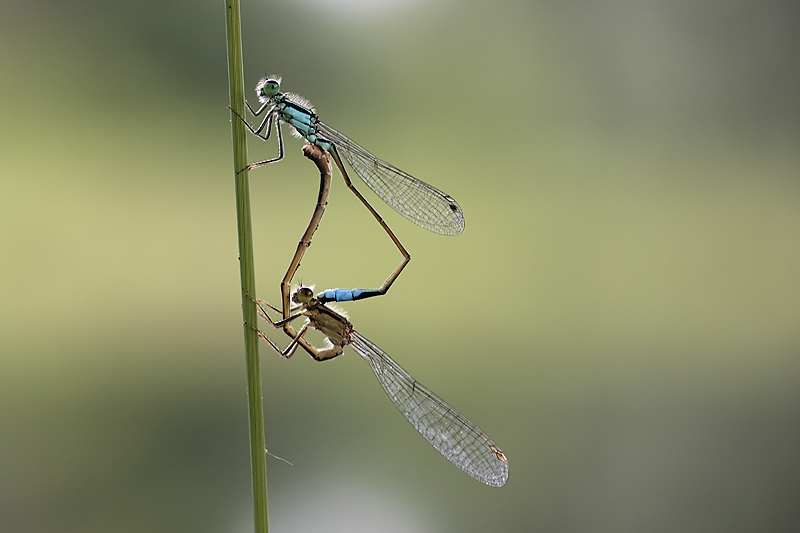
269, 87
303, 294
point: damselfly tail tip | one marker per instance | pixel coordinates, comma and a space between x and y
501, 474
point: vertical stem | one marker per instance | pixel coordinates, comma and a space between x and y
246, 266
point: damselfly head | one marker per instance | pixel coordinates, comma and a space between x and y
268, 87
303, 294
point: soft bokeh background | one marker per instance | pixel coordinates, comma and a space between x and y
620, 315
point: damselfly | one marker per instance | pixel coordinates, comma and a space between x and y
455, 437
414, 199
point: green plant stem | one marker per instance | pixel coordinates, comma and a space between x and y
246, 266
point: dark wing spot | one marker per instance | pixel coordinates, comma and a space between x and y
452, 202
500, 455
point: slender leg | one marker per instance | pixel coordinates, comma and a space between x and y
257, 164
276, 323
263, 312
318, 354
298, 339
260, 109
266, 123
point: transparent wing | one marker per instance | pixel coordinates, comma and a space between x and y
419, 202
458, 439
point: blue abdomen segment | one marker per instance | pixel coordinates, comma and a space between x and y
346, 295
298, 116
304, 129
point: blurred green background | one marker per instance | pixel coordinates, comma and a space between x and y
620, 315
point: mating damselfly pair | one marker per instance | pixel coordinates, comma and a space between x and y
452, 434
